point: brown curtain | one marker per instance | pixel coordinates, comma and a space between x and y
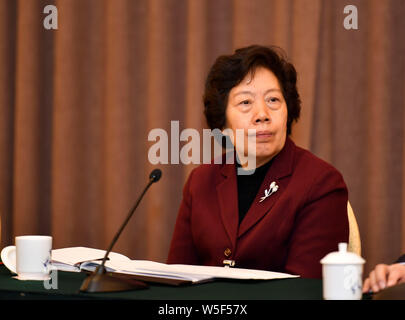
77, 105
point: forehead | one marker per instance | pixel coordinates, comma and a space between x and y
257, 79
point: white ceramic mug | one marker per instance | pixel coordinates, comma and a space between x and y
30, 258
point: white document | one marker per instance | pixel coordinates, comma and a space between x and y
77, 258
82, 258
193, 273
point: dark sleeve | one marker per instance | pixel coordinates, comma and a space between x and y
182, 250
320, 225
401, 259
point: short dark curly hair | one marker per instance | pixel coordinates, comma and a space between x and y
229, 70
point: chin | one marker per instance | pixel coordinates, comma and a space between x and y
267, 153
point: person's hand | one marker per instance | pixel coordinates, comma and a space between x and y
384, 276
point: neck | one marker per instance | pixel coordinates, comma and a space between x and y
250, 163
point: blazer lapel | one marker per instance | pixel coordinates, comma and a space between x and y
227, 193
279, 169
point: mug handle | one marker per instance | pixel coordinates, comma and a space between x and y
9, 259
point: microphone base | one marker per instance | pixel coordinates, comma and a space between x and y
110, 282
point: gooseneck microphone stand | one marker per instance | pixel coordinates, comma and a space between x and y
100, 280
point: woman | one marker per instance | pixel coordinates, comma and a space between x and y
285, 215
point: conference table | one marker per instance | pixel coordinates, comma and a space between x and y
68, 285
258, 296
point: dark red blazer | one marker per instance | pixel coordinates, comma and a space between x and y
290, 231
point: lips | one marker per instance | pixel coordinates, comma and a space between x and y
264, 134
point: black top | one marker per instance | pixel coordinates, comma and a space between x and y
248, 186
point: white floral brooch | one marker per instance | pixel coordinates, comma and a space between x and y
272, 189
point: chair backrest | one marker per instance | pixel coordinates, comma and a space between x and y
354, 235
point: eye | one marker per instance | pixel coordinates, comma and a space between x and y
244, 105
273, 102
273, 99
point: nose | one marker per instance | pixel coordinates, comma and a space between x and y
262, 113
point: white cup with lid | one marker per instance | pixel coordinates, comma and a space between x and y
342, 273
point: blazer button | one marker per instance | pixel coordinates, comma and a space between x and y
227, 252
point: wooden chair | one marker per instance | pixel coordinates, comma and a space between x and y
354, 244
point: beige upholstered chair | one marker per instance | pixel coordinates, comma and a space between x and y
354, 235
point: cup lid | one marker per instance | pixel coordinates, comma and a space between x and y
342, 256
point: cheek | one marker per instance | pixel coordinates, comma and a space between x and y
282, 120
236, 121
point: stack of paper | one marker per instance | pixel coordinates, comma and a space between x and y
81, 258
191, 272
77, 258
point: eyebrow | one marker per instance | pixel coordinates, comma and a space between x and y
249, 92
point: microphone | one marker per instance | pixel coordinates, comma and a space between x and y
155, 175
99, 280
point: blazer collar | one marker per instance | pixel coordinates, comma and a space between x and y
282, 163
227, 192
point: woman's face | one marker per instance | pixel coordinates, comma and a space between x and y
257, 103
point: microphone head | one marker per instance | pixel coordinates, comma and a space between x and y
155, 175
